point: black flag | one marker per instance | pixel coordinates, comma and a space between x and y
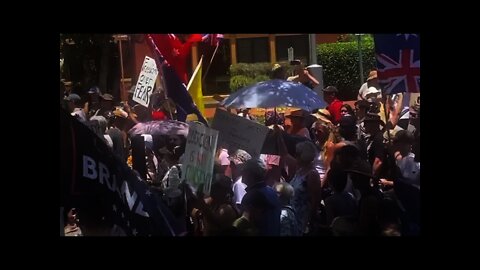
110, 198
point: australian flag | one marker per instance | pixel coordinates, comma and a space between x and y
398, 62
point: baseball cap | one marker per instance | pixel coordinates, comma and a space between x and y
73, 97
94, 90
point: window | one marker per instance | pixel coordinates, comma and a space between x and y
253, 50
299, 43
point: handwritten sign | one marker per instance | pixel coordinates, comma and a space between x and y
235, 132
199, 156
146, 82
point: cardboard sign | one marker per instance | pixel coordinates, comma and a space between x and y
236, 132
199, 156
146, 82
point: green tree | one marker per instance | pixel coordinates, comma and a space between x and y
87, 58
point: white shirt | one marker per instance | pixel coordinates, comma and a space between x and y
239, 191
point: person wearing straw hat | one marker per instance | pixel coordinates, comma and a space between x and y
298, 127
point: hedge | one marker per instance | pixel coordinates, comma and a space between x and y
244, 74
340, 63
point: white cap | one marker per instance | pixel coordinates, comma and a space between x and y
371, 90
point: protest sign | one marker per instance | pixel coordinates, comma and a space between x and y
235, 132
146, 82
199, 156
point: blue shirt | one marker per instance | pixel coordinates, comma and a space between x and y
270, 223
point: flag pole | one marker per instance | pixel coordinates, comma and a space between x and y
155, 52
166, 97
211, 60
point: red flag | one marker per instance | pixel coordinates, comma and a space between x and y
175, 52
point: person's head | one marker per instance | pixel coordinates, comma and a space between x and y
237, 162
94, 94
106, 101
221, 189
329, 94
338, 179
305, 153
297, 119
372, 79
345, 157
360, 172
346, 110
298, 66
347, 127
175, 140
372, 95
324, 116
285, 192
278, 72
403, 141
254, 171
361, 108
321, 131
73, 101
102, 121
372, 123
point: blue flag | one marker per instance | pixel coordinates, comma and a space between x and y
398, 62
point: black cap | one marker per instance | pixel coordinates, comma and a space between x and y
404, 136
362, 104
330, 89
360, 166
347, 121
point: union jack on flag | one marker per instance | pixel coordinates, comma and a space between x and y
213, 38
398, 62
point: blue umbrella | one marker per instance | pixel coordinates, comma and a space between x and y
275, 93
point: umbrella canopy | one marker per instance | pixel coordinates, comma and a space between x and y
167, 127
275, 93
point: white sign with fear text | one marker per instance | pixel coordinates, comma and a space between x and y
146, 82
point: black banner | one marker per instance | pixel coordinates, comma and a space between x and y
111, 199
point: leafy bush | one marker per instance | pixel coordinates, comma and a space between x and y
239, 81
340, 63
243, 74
261, 78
